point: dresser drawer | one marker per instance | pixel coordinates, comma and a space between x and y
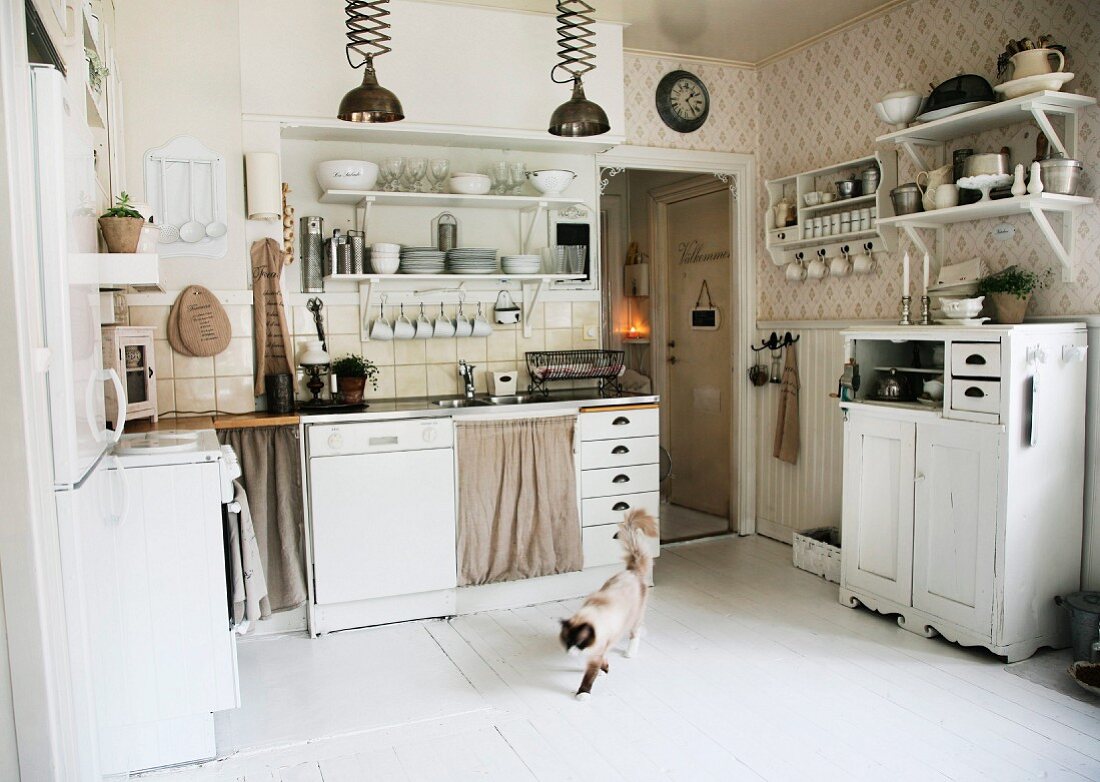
976, 359
617, 424
612, 510
620, 480
976, 396
621, 452
601, 548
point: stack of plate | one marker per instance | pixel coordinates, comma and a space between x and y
422, 260
520, 264
472, 260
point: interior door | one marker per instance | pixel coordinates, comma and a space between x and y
698, 392
878, 507
954, 531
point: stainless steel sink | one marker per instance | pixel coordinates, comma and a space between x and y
453, 403
511, 399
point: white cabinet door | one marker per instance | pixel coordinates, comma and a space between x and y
954, 530
878, 507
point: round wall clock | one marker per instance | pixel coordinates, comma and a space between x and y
683, 101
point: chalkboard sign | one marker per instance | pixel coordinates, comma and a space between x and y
705, 318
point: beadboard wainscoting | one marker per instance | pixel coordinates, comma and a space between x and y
793, 497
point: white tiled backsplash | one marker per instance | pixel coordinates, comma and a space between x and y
223, 384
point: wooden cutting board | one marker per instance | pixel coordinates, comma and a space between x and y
203, 326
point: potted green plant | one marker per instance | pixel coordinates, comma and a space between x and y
121, 226
1009, 290
352, 373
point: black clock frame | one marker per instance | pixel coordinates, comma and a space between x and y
663, 99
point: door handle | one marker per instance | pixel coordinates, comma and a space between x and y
622, 420
672, 344
918, 477
620, 449
620, 478
975, 359
672, 359
621, 506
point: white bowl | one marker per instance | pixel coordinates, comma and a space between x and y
899, 108
1029, 84
470, 184
828, 198
551, 181
813, 198
962, 308
385, 264
934, 389
347, 174
385, 247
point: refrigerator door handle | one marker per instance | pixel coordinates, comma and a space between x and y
124, 493
120, 398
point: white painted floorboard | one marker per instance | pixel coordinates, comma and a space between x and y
749, 670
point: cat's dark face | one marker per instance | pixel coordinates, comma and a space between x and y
577, 636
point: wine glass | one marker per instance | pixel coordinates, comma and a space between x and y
415, 168
438, 168
392, 170
517, 176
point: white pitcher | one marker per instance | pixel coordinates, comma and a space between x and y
1033, 62
932, 180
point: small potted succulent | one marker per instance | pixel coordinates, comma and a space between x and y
1009, 291
352, 373
121, 226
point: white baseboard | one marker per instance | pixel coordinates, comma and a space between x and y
769, 529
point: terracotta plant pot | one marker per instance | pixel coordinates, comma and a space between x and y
350, 389
1008, 307
121, 233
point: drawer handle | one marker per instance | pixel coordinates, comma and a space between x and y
621, 506
620, 449
622, 420
974, 358
620, 478
974, 392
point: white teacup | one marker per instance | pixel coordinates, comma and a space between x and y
444, 327
839, 266
817, 270
381, 329
463, 326
403, 328
423, 326
795, 272
864, 263
481, 327
946, 196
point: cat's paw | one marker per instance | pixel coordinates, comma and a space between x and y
583, 696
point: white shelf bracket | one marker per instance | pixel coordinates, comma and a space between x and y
535, 213
1061, 245
910, 148
1043, 122
918, 241
531, 289
365, 314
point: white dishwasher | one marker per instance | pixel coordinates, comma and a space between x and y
382, 517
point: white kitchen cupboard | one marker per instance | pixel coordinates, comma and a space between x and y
129, 351
965, 519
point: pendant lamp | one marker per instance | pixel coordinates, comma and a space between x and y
578, 116
367, 37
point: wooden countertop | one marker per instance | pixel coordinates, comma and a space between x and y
242, 421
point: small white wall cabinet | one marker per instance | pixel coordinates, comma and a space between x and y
965, 519
619, 460
129, 351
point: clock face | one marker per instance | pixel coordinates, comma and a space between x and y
683, 101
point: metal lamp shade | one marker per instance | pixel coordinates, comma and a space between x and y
578, 116
370, 102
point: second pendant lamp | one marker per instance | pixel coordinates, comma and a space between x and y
578, 116
367, 38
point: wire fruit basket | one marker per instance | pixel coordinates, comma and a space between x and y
547, 365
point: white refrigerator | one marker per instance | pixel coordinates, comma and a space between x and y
88, 495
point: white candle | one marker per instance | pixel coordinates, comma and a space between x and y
332, 382
905, 275
926, 265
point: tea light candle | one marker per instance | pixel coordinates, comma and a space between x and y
905, 275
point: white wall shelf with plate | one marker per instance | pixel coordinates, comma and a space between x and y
790, 244
531, 286
1039, 107
137, 272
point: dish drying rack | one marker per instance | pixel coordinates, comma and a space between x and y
606, 366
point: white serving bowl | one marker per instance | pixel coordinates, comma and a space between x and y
551, 181
898, 108
962, 308
385, 264
813, 198
347, 174
470, 184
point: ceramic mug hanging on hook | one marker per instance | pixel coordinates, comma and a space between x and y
506, 311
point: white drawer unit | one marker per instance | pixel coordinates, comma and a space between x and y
620, 423
976, 396
624, 452
619, 480
976, 359
609, 510
600, 546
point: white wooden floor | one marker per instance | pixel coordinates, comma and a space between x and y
750, 670
679, 523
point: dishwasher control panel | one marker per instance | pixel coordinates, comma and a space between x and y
407, 434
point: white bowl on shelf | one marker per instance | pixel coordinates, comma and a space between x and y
551, 181
385, 264
898, 108
469, 184
347, 174
961, 308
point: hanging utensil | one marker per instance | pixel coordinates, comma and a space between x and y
169, 233
215, 228
315, 305
191, 231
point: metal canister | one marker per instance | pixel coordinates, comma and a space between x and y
446, 232
313, 251
869, 178
343, 254
356, 241
958, 170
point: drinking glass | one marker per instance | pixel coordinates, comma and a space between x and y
392, 170
415, 167
498, 177
517, 176
438, 168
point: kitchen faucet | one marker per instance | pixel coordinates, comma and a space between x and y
466, 372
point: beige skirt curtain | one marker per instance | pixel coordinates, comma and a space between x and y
517, 505
272, 478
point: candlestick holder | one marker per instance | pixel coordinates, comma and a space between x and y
925, 310
906, 311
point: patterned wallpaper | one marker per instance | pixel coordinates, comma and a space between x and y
814, 108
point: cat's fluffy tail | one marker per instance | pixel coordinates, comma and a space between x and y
633, 530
